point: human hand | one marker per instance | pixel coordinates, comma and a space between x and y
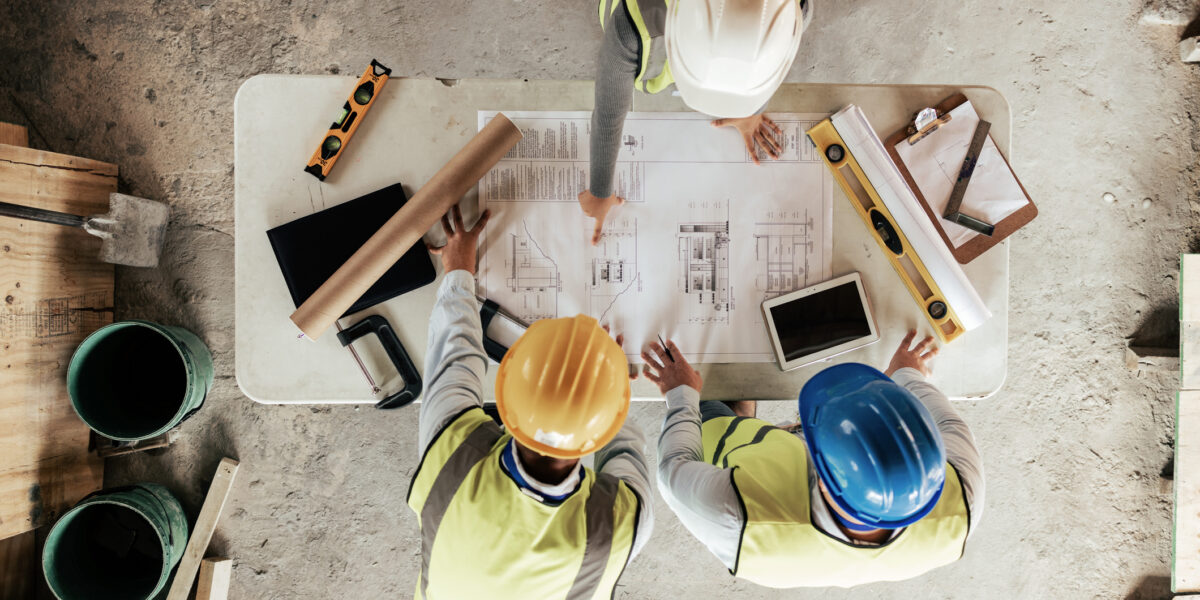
917, 357
459, 251
670, 372
757, 130
597, 208
620, 339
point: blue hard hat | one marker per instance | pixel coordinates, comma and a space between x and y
874, 445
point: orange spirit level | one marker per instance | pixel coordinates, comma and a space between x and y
353, 112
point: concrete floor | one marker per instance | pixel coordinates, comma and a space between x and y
1073, 445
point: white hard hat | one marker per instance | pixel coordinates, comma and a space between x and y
729, 56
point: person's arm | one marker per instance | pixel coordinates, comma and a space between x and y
909, 367
625, 458
700, 494
455, 362
961, 451
616, 68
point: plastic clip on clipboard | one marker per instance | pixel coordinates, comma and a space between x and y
931, 275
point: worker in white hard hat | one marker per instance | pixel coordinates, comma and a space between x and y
726, 58
512, 512
880, 480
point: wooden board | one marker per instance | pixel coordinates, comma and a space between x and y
215, 575
202, 533
13, 135
1189, 321
19, 567
1185, 555
1189, 287
53, 292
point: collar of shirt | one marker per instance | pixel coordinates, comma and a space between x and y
542, 492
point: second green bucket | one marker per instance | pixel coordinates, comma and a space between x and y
121, 543
134, 380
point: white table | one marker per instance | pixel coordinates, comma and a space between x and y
418, 124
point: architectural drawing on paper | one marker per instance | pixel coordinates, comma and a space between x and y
613, 270
782, 246
703, 252
533, 278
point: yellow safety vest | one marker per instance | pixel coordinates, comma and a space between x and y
649, 22
781, 548
482, 537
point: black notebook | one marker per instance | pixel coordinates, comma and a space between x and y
311, 248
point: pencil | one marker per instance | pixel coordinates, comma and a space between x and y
666, 349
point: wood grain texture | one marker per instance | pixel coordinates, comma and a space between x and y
55, 292
206, 524
19, 567
215, 575
1189, 287
14, 135
1185, 555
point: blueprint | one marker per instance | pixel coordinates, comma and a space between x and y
704, 237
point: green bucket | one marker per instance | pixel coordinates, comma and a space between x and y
134, 380
119, 543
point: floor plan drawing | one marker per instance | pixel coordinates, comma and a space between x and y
703, 252
703, 237
533, 278
781, 254
613, 269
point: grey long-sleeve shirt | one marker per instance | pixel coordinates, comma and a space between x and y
616, 68
703, 497
455, 366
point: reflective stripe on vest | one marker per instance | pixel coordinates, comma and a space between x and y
573, 551
649, 22
781, 548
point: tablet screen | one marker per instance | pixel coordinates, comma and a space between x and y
820, 321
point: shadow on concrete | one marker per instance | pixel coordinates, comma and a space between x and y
1151, 587
1158, 329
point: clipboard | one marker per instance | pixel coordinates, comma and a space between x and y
978, 243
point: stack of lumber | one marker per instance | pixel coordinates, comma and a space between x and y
1185, 555
53, 293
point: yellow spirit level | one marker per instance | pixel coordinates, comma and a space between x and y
353, 112
914, 272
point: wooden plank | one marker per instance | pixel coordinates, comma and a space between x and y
1185, 555
1189, 287
14, 135
202, 533
1189, 355
215, 575
19, 566
1189, 50
54, 293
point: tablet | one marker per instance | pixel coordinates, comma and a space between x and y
819, 321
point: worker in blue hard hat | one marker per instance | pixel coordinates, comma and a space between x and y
880, 480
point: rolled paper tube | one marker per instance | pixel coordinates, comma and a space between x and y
406, 227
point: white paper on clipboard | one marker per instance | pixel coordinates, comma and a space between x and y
935, 161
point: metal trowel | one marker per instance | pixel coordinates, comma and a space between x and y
132, 229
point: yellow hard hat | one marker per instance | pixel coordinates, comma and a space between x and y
563, 389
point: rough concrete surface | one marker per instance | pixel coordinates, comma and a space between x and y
1073, 445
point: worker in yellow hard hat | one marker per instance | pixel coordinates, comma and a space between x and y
511, 512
